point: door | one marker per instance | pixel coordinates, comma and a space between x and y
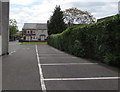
42, 38
28, 38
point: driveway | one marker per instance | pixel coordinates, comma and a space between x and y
41, 67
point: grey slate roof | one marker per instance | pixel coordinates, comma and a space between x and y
41, 26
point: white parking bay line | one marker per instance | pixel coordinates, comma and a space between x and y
68, 64
12, 52
40, 72
92, 78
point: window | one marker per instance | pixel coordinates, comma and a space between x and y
33, 38
28, 38
28, 31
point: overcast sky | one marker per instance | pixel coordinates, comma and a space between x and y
39, 11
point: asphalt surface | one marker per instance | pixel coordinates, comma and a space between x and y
57, 70
20, 68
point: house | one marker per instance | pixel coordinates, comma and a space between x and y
35, 32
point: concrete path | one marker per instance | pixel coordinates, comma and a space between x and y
42, 67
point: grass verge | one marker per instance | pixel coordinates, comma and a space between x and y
33, 43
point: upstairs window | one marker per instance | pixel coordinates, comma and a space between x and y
28, 31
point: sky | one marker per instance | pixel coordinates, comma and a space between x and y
39, 11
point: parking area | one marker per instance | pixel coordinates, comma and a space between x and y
42, 67
62, 71
20, 68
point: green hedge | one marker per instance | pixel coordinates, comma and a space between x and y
99, 41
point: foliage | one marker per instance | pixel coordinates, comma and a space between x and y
56, 23
12, 22
73, 15
99, 41
13, 30
20, 34
13, 26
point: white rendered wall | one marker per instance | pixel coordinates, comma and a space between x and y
0, 63
0, 45
119, 7
4, 25
0, 27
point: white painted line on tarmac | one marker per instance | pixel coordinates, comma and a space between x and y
58, 57
92, 78
53, 54
40, 72
68, 64
12, 52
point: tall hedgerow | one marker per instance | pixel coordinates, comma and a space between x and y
99, 41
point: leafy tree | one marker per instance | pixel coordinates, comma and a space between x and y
13, 26
56, 23
73, 15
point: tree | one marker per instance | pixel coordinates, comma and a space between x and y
73, 15
56, 23
12, 28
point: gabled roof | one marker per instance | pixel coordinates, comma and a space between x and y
42, 26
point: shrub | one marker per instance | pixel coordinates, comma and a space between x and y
100, 41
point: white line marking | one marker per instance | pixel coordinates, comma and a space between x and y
58, 57
92, 78
40, 72
12, 52
68, 64
53, 54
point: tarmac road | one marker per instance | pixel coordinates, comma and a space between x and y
41, 67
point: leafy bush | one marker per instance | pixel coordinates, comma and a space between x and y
100, 41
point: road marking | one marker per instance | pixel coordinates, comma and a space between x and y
40, 72
92, 78
68, 64
12, 52
53, 54
58, 57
